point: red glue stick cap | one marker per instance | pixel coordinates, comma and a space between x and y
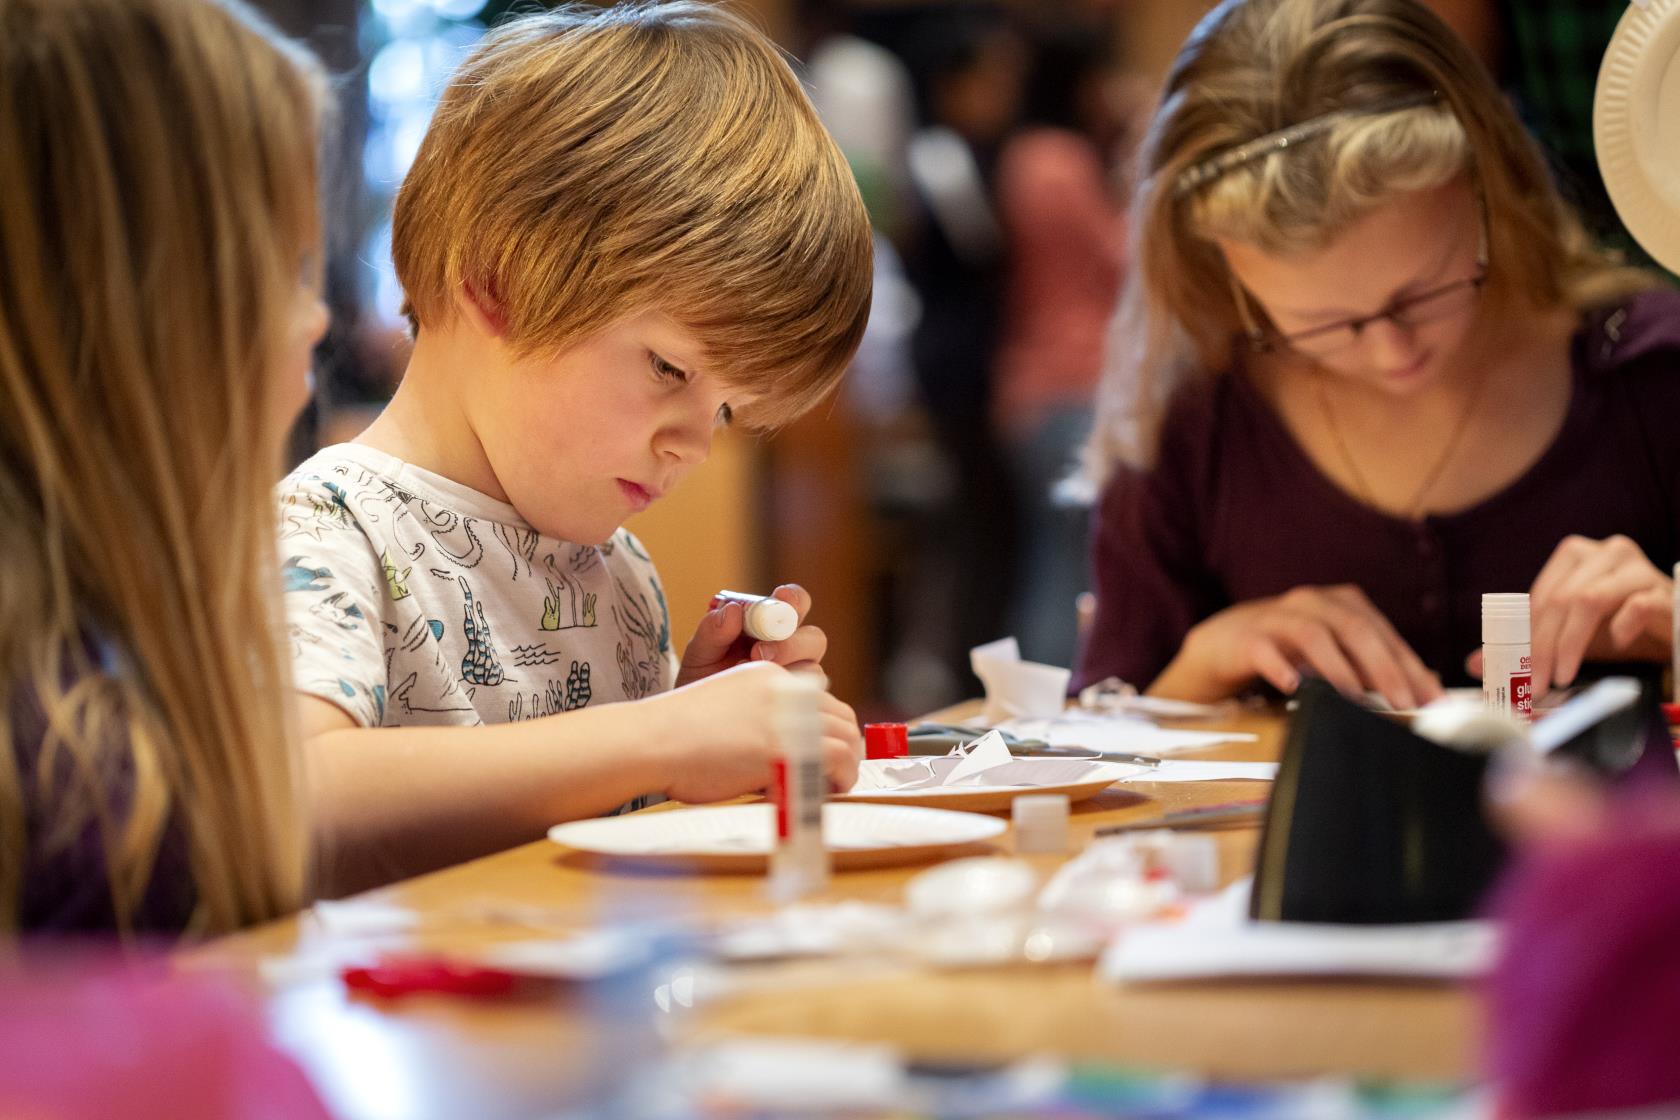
886, 740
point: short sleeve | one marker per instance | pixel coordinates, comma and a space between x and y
1149, 554
332, 576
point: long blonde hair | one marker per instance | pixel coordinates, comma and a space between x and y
1252, 67
589, 163
157, 202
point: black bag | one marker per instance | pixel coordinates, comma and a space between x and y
1369, 823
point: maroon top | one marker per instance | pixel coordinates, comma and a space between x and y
1234, 510
66, 884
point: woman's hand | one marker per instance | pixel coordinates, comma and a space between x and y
1334, 632
720, 735
720, 643
1597, 600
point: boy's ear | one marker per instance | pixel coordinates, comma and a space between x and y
481, 302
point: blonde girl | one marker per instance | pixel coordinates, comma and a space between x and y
157, 307
1367, 368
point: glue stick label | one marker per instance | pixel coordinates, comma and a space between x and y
1522, 691
1508, 679
779, 796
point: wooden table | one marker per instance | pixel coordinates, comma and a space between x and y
435, 1056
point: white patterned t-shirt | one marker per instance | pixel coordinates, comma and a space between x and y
412, 600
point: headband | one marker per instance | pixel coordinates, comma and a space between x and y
1214, 166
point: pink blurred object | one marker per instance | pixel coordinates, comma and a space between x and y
1584, 1006
91, 1042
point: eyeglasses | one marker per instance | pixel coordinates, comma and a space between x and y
1408, 314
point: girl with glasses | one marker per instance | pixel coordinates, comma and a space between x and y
1366, 368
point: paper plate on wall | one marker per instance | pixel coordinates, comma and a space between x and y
1636, 126
737, 837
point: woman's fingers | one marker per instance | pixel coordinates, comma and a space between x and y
1273, 666
1314, 643
1422, 684
1563, 561
1573, 613
1644, 622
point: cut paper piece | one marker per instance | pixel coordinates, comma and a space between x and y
985, 763
982, 776
1219, 941
1190, 770
1109, 734
1114, 696
1015, 687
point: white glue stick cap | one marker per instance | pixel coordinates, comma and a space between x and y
771, 620
1505, 619
1041, 823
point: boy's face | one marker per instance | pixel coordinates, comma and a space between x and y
581, 441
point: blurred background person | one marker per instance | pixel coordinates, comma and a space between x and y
1060, 208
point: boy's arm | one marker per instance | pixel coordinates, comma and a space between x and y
390, 802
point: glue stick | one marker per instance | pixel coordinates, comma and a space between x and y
799, 861
1507, 659
763, 617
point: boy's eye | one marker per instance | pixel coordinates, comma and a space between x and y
666, 370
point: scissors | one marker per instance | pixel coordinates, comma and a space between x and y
940, 738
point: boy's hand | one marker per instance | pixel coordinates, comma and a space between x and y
719, 642
722, 735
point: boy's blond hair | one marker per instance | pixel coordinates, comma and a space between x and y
589, 164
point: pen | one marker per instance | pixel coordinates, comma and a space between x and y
1201, 816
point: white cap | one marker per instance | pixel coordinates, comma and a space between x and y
771, 620
1505, 619
1041, 822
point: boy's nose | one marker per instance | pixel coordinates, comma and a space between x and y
687, 443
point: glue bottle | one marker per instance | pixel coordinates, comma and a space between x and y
1507, 659
764, 617
798, 786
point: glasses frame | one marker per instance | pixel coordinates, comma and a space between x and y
1262, 342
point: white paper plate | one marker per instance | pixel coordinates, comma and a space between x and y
737, 837
982, 799
1636, 126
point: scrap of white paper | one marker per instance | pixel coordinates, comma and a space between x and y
1015, 687
1114, 734
983, 754
1219, 940
1115, 697
987, 763
1188, 770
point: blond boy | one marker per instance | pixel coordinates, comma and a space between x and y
624, 228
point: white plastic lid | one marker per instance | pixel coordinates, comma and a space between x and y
772, 620
1041, 822
1505, 619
